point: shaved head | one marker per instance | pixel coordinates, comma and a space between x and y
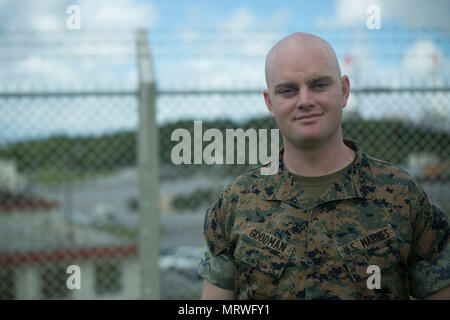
302, 46
304, 79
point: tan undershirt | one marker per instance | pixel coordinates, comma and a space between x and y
316, 186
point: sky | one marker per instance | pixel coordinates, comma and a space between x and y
202, 45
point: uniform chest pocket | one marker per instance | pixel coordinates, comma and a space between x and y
262, 257
383, 255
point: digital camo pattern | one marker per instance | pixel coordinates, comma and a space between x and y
431, 277
219, 270
284, 246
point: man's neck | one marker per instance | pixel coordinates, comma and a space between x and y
319, 160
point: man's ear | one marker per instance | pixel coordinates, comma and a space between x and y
268, 102
345, 83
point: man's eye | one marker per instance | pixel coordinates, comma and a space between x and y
286, 91
321, 85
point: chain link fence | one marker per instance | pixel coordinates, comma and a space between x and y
69, 177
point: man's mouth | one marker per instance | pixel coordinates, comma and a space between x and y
308, 117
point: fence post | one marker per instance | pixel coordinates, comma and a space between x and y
148, 154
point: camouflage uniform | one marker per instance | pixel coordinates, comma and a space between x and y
267, 240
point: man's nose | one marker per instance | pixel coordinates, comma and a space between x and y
304, 99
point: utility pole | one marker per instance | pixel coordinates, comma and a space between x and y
147, 157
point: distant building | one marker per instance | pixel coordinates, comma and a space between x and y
10, 179
36, 247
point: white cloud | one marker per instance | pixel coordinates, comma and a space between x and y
349, 13
420, 13
239, 35
46, 22
51, 15
62, 58
241, 19
123, 14
363, 68
33, 15
413, 13
233, 58
422, 58
188, 36
416, 61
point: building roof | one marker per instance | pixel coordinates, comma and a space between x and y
26, 242
12, 202
68, 254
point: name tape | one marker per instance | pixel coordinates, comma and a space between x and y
267, 240
367, 241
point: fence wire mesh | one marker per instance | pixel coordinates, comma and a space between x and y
69, 191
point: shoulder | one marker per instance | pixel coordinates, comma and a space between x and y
249, 185
250, 181
384, 172
391, 182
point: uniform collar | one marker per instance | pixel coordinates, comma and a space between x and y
355, 183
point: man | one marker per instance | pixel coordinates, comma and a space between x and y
333, 222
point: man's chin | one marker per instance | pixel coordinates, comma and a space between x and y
306, 142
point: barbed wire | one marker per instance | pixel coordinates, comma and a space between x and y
259, 29
178, 55
45, 40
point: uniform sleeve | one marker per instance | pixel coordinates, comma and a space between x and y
431, 231
429, 269
217, 269
429, 278
217, 265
